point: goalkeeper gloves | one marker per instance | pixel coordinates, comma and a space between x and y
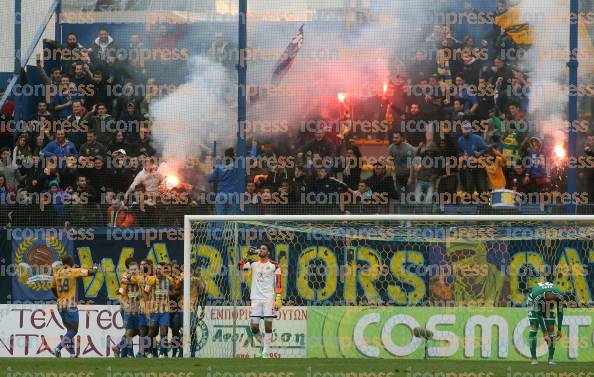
278, 302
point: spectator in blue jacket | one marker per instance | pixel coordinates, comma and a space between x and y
470, 148
60, 147
226, 177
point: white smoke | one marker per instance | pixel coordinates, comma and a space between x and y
196, 114
203, 110
546, 62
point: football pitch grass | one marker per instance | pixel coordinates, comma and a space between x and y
110, 367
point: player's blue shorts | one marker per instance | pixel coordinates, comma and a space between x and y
132, 321
177, 319
69, 315
159, 320
142, 320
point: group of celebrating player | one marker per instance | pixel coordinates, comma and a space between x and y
151, 301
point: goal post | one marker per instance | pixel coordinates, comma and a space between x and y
323, 258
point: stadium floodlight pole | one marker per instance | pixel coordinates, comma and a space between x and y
18, 101
24, 59
242, 95
58, 23
572, 110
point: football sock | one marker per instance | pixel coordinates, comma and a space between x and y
163, 347
122, 346
175, 346
532, 342
129, 350
69, 341
258, 337
552, 349
267, 338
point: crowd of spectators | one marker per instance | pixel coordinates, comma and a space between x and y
85, 156
458, 130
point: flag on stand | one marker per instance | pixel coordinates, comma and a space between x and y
288, 58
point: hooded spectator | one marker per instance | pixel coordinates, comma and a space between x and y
104, 51
131, 122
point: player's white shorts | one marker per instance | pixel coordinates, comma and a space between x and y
262, 309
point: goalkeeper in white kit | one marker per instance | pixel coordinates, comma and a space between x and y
265, 294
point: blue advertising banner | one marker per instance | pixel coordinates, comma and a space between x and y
331, 270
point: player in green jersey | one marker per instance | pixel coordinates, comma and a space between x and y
542, 300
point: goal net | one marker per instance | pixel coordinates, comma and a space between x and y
389, 261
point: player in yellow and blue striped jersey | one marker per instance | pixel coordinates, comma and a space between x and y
64, 287
158, 289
